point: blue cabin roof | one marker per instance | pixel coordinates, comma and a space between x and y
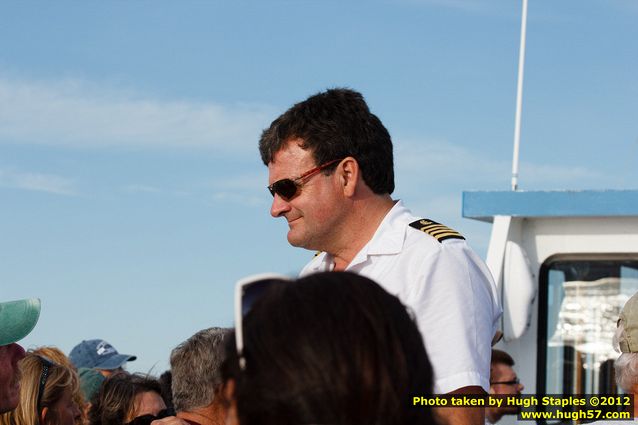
484, 205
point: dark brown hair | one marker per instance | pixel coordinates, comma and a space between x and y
330, 348
116, 399
501, 357
333, 125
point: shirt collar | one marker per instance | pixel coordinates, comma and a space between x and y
389, 236
388, 239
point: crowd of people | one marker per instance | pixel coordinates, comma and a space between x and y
350, 353
392, 306
367, 370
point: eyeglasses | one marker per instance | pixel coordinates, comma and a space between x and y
514, 381
47, 364
288, 188
147, 419
247, 291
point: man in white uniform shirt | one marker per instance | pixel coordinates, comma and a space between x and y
331, 175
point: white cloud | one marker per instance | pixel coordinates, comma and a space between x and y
432, 165
557, 177
464, 5
49, 183
444, 208
141, 188
432, 174
437, 161
238, 198
244, 182
79, 114
248, 190
627, 5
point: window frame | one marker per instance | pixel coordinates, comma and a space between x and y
543, 308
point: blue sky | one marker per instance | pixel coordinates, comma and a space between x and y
132, 195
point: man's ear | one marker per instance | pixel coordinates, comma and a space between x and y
232, 417
349, 173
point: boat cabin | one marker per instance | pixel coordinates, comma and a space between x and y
564, 263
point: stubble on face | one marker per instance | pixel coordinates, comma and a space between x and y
312, 213
10, 376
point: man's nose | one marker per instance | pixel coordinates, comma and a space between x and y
279, 206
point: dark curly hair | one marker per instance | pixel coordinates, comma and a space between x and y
333, 125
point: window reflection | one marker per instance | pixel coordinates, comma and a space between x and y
584, 300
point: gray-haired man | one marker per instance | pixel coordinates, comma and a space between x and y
196, 368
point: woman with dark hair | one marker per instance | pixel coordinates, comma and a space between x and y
330, 348
128, 399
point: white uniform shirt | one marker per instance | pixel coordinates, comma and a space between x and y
446, 285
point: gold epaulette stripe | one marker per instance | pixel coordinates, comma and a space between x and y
448, 235
438, 231
430, 226
433, 228
317, 253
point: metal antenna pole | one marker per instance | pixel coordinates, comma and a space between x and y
519, 98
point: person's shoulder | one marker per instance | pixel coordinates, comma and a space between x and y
431, 240
434, 230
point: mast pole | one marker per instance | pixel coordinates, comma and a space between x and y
519, 98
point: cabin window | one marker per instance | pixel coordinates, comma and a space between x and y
583, 299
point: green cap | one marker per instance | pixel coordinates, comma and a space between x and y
17, 319
628, 342
90, 382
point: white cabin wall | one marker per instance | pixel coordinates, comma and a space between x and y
572, 235
543, 238
519, 349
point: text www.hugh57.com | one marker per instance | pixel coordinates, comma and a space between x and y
577, 415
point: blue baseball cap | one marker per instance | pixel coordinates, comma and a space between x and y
98, 354
17, 319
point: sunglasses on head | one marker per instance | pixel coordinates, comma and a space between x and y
47, 364
288, 188
247, 291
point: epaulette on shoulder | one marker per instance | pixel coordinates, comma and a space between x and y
316, 254
437, 230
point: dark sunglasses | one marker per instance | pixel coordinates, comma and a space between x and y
47, 364
147, 419
288, 188
514, 381
247, 292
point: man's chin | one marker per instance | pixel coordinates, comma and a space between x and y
295, 240
298, 240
